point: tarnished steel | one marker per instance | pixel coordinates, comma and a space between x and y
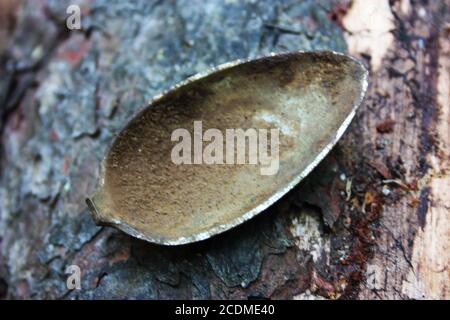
311, 97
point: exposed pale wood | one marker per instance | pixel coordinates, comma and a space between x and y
412, 252
430, 275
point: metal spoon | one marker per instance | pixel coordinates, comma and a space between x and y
309, 97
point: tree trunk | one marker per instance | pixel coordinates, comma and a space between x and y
372, 221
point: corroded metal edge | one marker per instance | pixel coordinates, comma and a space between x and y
125, 227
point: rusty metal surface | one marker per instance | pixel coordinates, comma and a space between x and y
310, 96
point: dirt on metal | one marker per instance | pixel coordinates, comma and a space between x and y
310, 97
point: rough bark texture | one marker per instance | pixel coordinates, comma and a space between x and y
372, 221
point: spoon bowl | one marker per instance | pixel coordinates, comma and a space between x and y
308, 97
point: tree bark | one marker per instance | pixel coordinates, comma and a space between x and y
372, 221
